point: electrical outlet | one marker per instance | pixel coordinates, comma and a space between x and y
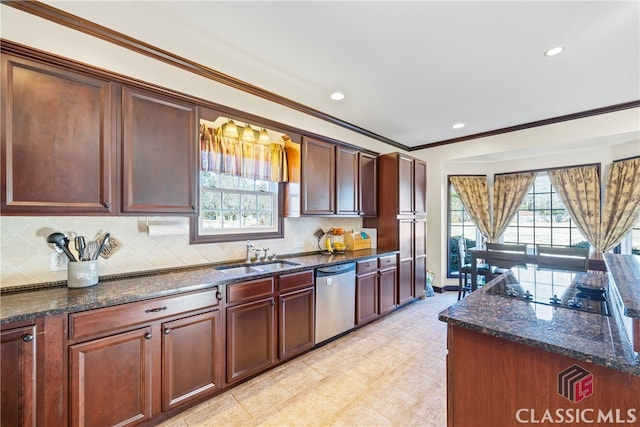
57, 261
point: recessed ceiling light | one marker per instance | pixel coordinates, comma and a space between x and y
337, 96
458, 126
554, 51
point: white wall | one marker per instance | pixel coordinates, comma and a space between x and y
597, 139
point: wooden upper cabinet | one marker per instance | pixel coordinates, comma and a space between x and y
412, 181
318, 177
58, 151
419, 186
158, 154
368, 185
347, 193
405, 185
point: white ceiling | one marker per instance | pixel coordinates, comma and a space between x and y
409, 70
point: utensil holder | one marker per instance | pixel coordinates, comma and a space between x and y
82, 274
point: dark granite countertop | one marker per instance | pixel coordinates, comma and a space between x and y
57, 298
586, 336
625, 273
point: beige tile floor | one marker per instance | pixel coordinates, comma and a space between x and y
389, 373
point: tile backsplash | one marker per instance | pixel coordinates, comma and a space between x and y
25, 251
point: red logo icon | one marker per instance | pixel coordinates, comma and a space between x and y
575, 383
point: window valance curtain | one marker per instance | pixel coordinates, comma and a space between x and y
474, 194
231, 156
509, 191
579, 189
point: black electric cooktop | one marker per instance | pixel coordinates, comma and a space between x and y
576, 291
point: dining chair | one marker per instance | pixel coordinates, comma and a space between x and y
465, 270
557, 258
503, 256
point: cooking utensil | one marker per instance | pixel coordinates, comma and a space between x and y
92, 250
102, 245
81, 245
62, 242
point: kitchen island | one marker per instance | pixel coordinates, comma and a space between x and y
513, 361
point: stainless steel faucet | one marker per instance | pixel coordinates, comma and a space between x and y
249, 246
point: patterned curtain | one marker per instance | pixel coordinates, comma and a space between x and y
253, 160
621, 203
474, 194
508, 192
579, 190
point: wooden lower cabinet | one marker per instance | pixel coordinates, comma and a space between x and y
296, 316
251, 339
18, 374
496, 382
376, 288
366, 298
111, 380
387, 290
130, 363
190, 358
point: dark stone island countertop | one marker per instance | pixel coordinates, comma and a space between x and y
56, 298
586, 336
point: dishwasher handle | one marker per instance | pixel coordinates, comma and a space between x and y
332, 270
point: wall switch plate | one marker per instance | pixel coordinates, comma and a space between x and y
57, 261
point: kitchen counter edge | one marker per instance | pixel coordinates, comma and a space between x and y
21, 306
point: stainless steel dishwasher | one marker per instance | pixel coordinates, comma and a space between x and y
335, 300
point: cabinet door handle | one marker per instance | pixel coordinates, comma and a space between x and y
147, 336
193, 208
219, 295
107, 205
273, 302
155, 310
27, 338
167, 331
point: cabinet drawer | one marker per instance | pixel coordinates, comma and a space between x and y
99, 321
368, 266
296, 280
386, 261
249, 290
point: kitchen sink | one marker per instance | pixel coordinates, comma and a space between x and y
255, 268
275, 265
243, 269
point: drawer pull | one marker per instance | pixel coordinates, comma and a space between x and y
155, 310
219, 295
147, 336
27, 338
167, 331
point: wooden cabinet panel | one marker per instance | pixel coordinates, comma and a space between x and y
368, 185
18, 373
293, 281
296, 322
405, 185
419, 187
94, 323
420, 258
250, 338
251, 290
58, 151
387, 290
158, 154
366, 298
190, 358
318, 178
111, 380
346, 181
367, 266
